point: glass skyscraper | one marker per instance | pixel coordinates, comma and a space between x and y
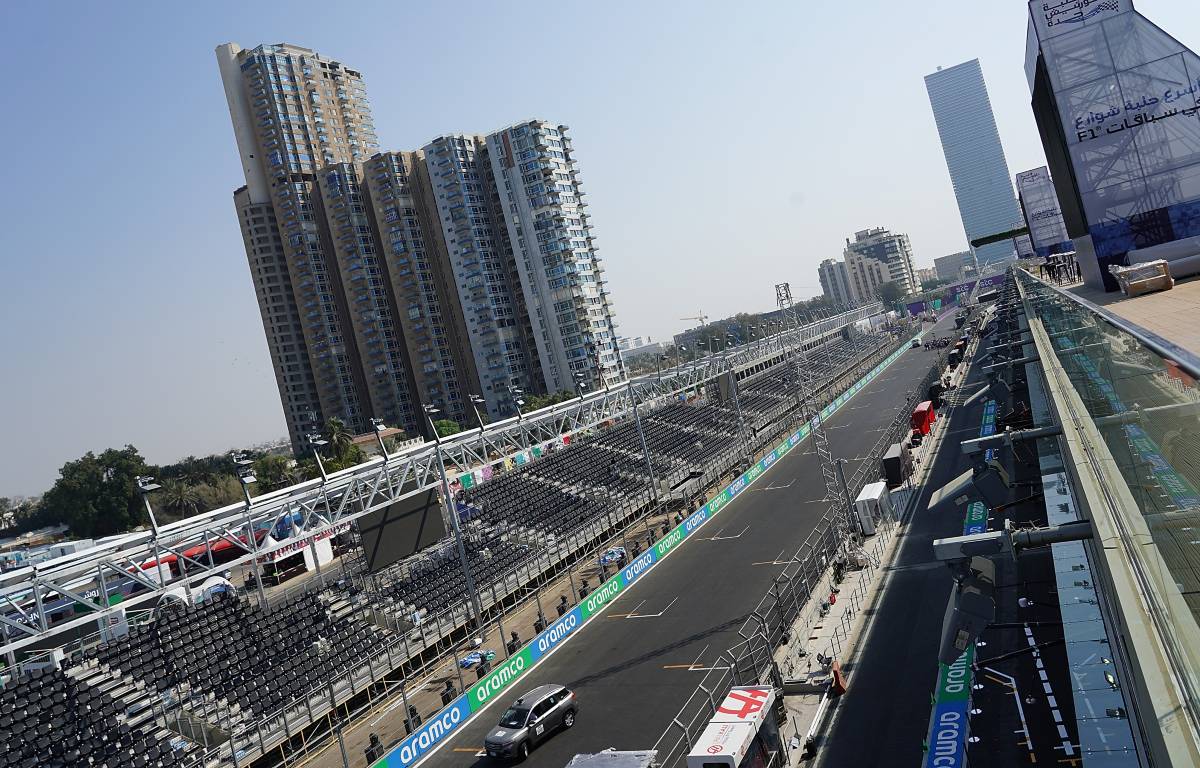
974, 157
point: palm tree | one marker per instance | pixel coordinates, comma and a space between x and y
338, 436
181, 499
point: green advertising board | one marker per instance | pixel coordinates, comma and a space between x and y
499, 679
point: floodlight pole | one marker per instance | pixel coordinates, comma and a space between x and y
738, 406
144, 489
642, 437
315, 441
258, 574
476, 400
516, 393
245, 475
841, 463
379, 427
452, 511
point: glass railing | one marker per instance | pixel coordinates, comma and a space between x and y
1143, 398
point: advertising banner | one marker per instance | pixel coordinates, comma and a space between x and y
1047, 231
948, 721
948, 731
500, 678
987, 427
1051, 19
429, 735
976, 519
1130, 118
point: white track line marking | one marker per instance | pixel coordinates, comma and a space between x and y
634, 615
1012, 684
719, 537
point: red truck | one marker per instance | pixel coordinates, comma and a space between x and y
923, 417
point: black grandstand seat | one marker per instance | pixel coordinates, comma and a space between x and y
228, 649
55, 719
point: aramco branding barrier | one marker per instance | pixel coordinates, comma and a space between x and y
478, 696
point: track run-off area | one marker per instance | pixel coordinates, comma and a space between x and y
634, 649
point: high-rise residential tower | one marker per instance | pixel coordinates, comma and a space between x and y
422, 286
389, 280
866, 277
293, 113
561, 275
835, 282
482, 267
893, 250
974, 157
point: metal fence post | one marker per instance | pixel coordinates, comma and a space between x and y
404, 699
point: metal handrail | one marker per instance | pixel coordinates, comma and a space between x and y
1129, 554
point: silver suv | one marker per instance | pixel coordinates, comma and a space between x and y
531, 719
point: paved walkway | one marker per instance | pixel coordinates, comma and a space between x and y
1170, 314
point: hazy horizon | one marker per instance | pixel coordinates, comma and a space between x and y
722, 153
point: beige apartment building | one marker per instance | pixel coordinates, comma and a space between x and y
866, 275
391, 280
422, 286
294, 112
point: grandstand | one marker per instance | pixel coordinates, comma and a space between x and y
230, 682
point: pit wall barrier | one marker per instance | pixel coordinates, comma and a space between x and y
415, 747
948, 723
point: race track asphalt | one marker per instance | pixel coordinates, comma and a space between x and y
629, 665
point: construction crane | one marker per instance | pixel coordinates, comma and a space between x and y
703, 320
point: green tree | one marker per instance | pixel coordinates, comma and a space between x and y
196, 470
890, 292
339, 436
446, 427
929, 285
29, 515
97, 495
348, 458
306, 469
274, 471
534, 402
181, 499
221, 492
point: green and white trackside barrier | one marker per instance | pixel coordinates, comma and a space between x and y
455, 714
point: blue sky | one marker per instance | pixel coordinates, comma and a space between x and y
724, 147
